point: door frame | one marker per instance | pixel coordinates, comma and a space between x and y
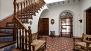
41, 19
74, 16
87, 15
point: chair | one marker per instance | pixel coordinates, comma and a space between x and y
85, 42
52, 34
36, 44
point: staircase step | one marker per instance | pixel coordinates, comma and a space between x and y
6, 39
4, 44
25, 17
27, 14
10, 24
6, 31
25, 22
3, 34
6, 28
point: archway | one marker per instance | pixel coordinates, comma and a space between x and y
66, 24
41, 25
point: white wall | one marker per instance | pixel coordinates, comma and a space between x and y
54, 13
34, 26
6, 8
0, 8
85, 4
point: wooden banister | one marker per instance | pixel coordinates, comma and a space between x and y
22, 25
24, 9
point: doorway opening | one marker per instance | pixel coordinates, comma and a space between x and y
43, 27
66, 24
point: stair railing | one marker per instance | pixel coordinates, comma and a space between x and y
22, 12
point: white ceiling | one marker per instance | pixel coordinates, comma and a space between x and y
51, 1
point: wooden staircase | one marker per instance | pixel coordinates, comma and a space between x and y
15, 30
6, 37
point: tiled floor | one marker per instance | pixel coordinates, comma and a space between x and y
59, 44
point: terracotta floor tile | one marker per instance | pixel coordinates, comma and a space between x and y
59, 44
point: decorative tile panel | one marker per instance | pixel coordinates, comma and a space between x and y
6, 31
5, 39
8, 48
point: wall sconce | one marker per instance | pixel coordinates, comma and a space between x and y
52, 21
30, 22
80, 20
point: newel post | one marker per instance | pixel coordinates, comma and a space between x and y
30, 37
14, 28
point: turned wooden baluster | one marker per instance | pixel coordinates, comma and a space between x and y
26, 11
44, 2
17, 33
32, 8
26, 40
14, 31
24, 14
17, 25
35, 10
14, 28
18, 10
38, 5
28, 4
30, 11
22, 38
21, 11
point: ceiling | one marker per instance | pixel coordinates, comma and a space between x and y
51, 1
61, 2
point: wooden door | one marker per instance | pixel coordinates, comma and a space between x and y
88, 21
45, 26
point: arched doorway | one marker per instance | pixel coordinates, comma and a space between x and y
66, 24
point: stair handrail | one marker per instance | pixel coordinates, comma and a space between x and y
21, 23
16, 21
20, 31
